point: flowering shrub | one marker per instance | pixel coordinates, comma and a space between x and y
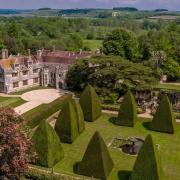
14, 145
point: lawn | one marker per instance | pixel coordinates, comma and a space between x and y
93, 44
11, 101
44, 111
169, 148
168, 86
29, 89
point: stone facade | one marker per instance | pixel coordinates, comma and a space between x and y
45, 69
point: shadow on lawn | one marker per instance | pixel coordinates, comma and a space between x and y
124, 175
146, 125
75, 167
113, 120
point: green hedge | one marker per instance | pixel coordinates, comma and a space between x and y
46, 174
128, 111
90, 104
164, 118
67, 124
80, 116
110, 107
147, 165
37, 175
38, 114
96, 161
47, 145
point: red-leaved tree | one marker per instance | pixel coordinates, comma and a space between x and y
15, 153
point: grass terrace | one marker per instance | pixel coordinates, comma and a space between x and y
11, 101
29, 89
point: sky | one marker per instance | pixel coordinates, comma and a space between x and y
67, 4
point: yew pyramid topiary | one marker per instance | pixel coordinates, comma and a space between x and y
96, 162
67, 125
147, 165
128, 111
80, 116
90, 104
164, 119
47, 145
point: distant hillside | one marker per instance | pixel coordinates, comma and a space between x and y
43, 9
11, 11
161, 10
125, 9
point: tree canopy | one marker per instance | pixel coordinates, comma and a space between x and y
121, 43
110, 75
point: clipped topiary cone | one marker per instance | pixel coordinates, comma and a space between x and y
164, 119
128, 111
147, 165
67, 124
90, 104
47, 145
96, 161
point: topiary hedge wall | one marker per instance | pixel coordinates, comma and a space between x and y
90, 104
47, 145
38, 114
128, 111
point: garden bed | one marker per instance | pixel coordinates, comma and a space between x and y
11, 101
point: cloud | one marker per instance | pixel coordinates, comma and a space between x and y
141, 4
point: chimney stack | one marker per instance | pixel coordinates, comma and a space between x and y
80, 51
39, 53
5, 54
29, 52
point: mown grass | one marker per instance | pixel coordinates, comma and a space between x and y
168, 86
11, 101
29, 89
93, 44
169, 148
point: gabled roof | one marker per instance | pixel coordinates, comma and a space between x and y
7, 63
65, 57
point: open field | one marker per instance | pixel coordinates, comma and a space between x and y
11, 101
169, 148
165, 17
93, 44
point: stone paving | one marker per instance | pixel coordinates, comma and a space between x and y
36, 98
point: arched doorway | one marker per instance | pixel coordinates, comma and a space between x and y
60, 85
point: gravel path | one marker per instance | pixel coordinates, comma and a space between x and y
145, 115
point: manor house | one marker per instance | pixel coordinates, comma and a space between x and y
47, 68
